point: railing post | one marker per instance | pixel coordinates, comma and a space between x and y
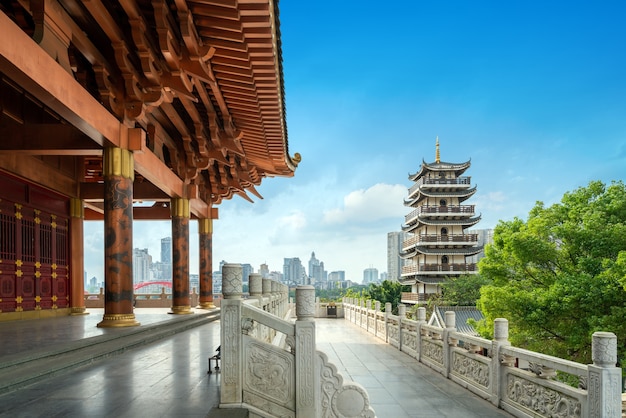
401, 317
266, 288
231, 387
376, 311
421, 320
256, 285
500, 339
450, 326
307, 381
604, 379
387, 313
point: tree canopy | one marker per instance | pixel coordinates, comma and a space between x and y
561, 275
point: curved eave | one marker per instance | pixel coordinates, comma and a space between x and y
458, 168
462, 195
467, 251
443, 222
431, 279
410, 227
406, 255
247, 64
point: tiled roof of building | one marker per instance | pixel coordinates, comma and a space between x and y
462, 313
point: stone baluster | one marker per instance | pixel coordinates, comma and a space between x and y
421, 320
307, 381
231, 389
376, 311
267, 294
401, 317
274, 290
450, 326
604, 379
388, 312
498, 361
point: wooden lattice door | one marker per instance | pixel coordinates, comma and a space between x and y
34, 256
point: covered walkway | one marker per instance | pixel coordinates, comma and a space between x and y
168, 377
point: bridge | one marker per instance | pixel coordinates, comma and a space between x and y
158, 283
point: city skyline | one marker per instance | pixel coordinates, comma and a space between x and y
531, 92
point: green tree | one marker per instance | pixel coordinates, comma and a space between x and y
561, 275
462, 290
387, 291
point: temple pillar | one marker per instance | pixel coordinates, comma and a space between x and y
77, 251
180, 256
118, 173
205, 231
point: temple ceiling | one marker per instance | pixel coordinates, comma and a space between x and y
200, 80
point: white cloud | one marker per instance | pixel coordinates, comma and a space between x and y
380, 201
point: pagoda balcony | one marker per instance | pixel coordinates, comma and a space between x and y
413, 298
443, 269
442, 183
436, 240
450, 211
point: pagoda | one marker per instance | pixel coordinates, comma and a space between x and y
437, 243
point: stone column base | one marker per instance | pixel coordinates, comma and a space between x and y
78, 311
181, 310
118, 321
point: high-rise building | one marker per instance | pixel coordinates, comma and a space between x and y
316, 270
166, 258
246, 270
264, 271
394, 248
370, 275
293, 271
437, 245
142, 263
337, 276
485, 236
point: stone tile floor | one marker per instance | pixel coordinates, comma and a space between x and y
168, 378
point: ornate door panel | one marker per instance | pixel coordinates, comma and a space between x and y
34, 243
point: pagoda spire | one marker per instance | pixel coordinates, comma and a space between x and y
437, 159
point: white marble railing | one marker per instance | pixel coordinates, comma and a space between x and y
270, 365
519, 381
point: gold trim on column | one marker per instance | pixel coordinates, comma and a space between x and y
180, 207
205, 226
118, 321
118, 162
181, 310
77, 209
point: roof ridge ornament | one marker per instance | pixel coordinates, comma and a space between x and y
437, 159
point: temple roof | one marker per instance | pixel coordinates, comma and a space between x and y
462, 315
457, 168
193, 88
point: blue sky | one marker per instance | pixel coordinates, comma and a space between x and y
534, 93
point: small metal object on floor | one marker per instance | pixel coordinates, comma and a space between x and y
216, 358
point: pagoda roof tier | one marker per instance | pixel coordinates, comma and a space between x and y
410, 227
424, 220
430, 280
458, 168
436, 251
423, 279
462, 195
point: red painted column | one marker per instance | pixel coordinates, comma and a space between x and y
118, 172
205, 231
180, 256
77, 256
